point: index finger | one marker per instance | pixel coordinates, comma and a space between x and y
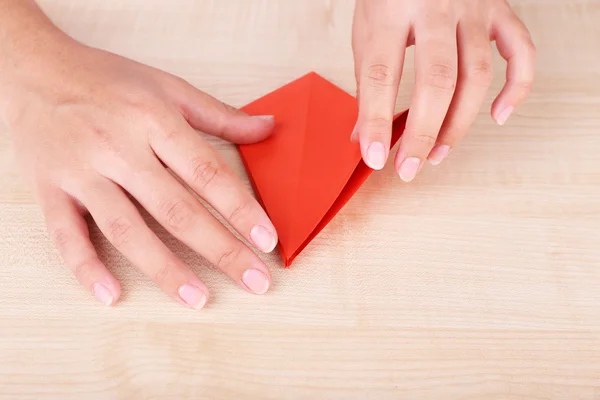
193, 159
379, 72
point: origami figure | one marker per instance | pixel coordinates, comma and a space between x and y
308, 169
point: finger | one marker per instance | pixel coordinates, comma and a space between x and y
185, 218
516, 47
474, 79
380, 70
69, 232
204, 171
207, 114
121, 223
435, 80
359, 37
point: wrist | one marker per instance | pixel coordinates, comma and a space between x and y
29, 46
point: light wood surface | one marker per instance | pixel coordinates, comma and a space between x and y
480, 280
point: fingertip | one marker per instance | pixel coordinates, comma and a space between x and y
195, 294
252, 129
354, 134
267, 125
503, 114
264, 239
438, 154
257, 280
94, 276
375, 155
374, 145
409, 168
266, 118
107, 291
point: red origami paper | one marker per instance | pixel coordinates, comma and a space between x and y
308, 169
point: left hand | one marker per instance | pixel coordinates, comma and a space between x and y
453, 71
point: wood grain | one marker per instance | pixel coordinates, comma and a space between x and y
481, 280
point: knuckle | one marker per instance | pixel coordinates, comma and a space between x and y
378, 125
228, 109
380, 75
112, 145
83, 270
104, 137
61, 238
425, 138
481, 73
204, 172
379, 121
162, 275
239, 210
228, 258
178, 82
166, 134
441, 76
178, 215
157, 125
119, 231
221, 115
157, 130
144, 101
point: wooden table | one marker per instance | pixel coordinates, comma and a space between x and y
480, 280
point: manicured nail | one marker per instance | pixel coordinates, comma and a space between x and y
376, 155
103, 294
409, 168
256, 281
439, 152
192, 296
263, 238
266, 117
504, 114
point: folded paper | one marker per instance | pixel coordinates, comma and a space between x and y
308, 169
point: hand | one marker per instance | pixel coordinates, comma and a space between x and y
453, 71
91, 128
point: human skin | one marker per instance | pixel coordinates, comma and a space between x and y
453, 71
92, 129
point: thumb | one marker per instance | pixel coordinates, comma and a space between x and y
211, 116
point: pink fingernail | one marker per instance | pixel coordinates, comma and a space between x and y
265, 117
504, 114
263, 238
376, 155
409, 168
256, 281
192, 296
438, 154
354, 134
103, 294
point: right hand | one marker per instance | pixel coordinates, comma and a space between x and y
91, 127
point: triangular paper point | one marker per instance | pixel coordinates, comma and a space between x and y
307, 170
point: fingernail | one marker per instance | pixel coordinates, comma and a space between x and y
353, 135
438, 154
409, 168
103, 294
256, 281
263, 238
192, 296
265, 117
504, 114
376, 155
